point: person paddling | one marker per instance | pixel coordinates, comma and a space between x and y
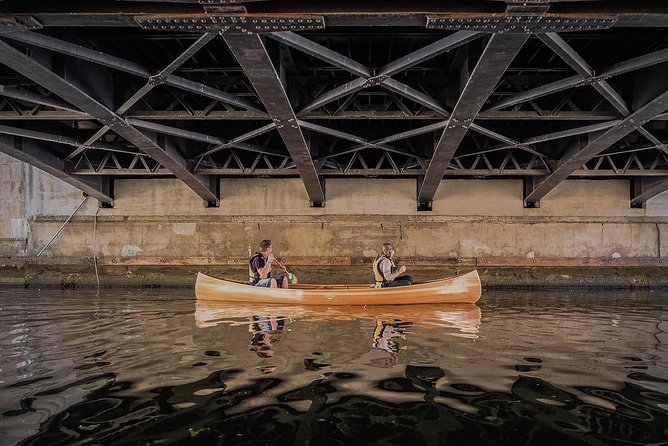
385, 271
259, 268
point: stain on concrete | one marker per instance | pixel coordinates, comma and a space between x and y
184, 228
19, 228
130, 251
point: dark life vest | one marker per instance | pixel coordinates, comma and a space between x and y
253, 274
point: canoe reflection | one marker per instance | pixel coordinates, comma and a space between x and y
391, 320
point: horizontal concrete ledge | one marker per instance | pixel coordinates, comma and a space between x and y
568, 275
351, 219
475, 262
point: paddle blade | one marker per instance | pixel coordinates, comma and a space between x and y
292, 278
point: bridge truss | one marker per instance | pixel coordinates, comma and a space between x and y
541, 90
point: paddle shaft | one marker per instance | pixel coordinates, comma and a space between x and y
279, 265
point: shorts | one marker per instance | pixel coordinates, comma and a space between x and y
267, 282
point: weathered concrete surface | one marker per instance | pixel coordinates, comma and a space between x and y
415, 237
471, 219
72, 276
13, 223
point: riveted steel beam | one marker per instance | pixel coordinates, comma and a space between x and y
41, 158
223, 115
61, 139
579, 156
335, 94
629, 65
573, 59
41, 75
220, 143
428, 52
321, 52
202, 2
28, 96
366, 78
230, 24
519, 23
644, 188
250, 52
495, 59
100, 58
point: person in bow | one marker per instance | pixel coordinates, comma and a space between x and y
385, 271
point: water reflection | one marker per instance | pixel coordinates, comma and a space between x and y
266, 333
464, 318
158, 368
392, 323
532, 411
386, 334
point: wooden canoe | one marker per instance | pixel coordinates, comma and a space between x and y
464, 288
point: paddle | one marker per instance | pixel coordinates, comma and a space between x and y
291, 277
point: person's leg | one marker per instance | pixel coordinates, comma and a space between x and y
406, 278
266, 283
273, 283
400, 281
282, 281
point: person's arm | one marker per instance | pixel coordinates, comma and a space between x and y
266, 269
264, 272
386, 268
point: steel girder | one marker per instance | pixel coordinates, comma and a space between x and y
43, 76
371, 94
645, 188
41, 158
496, 57
580, 155
250, 52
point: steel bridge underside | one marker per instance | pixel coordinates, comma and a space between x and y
542, 90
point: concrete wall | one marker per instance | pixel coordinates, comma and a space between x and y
13, 222
163, 219
470, 218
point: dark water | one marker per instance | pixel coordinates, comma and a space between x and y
148, 368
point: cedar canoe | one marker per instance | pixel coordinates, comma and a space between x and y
464, 288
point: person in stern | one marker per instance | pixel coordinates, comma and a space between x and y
259, 268
385, 271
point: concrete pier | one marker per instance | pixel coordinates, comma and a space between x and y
159, 233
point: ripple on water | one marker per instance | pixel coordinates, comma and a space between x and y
518, 368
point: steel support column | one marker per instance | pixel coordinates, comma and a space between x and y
250, 52
495, 59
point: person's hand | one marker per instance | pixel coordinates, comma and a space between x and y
270, 258
402, 269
